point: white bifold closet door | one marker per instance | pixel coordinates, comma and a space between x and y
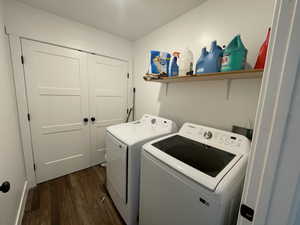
108, 99
62, 93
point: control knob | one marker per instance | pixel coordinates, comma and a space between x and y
208, 135
153, 121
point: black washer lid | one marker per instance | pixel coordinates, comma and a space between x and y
204, 158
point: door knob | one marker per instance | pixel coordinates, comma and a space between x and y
85, 120
5, 187
93, 119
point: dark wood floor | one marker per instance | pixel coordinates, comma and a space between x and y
75, 199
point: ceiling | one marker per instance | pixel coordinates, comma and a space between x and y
130, 19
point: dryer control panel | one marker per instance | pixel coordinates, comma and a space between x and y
157, 123
215, 137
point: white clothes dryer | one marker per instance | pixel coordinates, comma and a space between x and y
123, 152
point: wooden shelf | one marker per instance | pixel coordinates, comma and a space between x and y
240, 74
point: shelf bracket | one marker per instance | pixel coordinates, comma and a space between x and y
229, 81
167, 88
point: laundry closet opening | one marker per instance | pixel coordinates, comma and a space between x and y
72, 97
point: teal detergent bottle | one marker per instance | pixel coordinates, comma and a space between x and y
235, 55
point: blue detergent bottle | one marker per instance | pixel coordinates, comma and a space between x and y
212, 61
200, 63
174, 68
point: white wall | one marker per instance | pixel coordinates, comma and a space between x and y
25, 21
11, 156
205, 102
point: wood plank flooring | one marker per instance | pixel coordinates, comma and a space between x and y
76, 199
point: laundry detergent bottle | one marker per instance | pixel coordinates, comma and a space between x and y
262, 55
174, 68
235, 55
186, 63
200, 63
214, 58
211, 62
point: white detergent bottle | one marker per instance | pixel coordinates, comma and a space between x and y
186, 63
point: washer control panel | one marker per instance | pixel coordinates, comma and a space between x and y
216, 137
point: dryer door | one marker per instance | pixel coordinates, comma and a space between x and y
117, 165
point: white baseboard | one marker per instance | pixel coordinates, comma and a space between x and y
22, 204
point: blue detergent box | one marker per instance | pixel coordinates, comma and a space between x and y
159, 62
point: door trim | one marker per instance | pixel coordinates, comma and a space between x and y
23, 110
22, 104
272, 114
22, 204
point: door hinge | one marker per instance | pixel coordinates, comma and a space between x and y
5, 30
127, 75
22, 59
28, 116
134, 90
247, 212
34, 167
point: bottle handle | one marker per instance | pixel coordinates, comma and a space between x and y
268, 35
238, 40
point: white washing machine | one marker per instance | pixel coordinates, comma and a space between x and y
194, 177
123, 148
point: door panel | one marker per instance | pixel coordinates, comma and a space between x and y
57, 89
108, 99
117, 166
108, 108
